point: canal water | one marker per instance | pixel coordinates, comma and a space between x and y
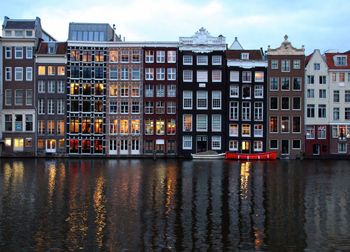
174, 205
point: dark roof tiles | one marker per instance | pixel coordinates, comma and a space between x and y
30, 24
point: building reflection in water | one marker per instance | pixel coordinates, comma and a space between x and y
116, 205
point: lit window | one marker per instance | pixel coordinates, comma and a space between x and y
259, 76
41, 70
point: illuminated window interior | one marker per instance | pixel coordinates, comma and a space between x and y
86, 125
98, 106
8, 142
245, 146
113, 127
85, 146
74, 126
73, 145
40, 143
61, 144
149, 127
113, 90
99, 89
245, 130
41, 70
98, 147
61, 70
98, 126
113, 56
171, 127
75, 55
51, 70
18, 144
160, 127
86, 89
135, 126
74, 88
124, 126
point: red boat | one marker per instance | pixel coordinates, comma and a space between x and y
252, 156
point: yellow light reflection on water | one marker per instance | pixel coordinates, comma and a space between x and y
245, 173
100, 210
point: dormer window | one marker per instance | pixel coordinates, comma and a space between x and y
51, 48
29, 33
19, 33
245, 56
340, 60
8, 33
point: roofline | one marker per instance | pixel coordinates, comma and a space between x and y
123, 44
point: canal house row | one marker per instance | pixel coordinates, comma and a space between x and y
97, 95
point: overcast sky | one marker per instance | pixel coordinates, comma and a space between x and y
321, 24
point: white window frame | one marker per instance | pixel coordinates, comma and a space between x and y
187, 139
19, 70
216, 121
216, 95
234, 76
29, 73
216, 60
216, 139
187, 60
187, 75
18, 49
216, 76
202, 60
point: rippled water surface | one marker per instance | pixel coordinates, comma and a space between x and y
116, 205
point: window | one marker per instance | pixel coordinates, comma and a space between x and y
8, 52
310, 110
234, 76
75, 72
124, 56
258, 145
258, 111
18, 52
113, 107
136, 73
244, 56
51, 106
297, 83
296, 144
61, 88
149, 128
233, 130
160, 73
310, 93
216, 100
171, 56
18, 143
171, 74
336, 114
171, 127
202, 123
8, 97
296, 124
202, 76
347, 114
234, 110
86, 73
296, 103
258, 91
259, 76
285, 65
273, 103
124, 107
273, 83
29, 97
233, 145
322, 111
8, 74
246, 111
113, 127
202, 100
19, 96
273, 123
149, 90
60, 106
274, 64
160, 127
234, 91
284, 83
187, 75
216, 142
29, 123
246, 76
160, 91
187, 99
285, 103
136, 56
216, 60
296, 64
187, 123
216, 75
160, 107
258, 130
321, 132
171, 91
273, 144
149, 108
323, 79
18, 122
74, 88
41, 107
51, 70
322, 93
245, 130
216, 123
29, 73
340, 60
284, 124
341, 77
187, 60
171, 108
113, 56
99, 57
149, 56
74, 125
347, 95
8, 122
98, 126
51, 86
187, 142
202, 59
246, 94
18, 73
149, 72
160, 56
113, 73
317, 66
135, 91
310, 132
124, 90
342, 148
125, 73
310, 79
135, 127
